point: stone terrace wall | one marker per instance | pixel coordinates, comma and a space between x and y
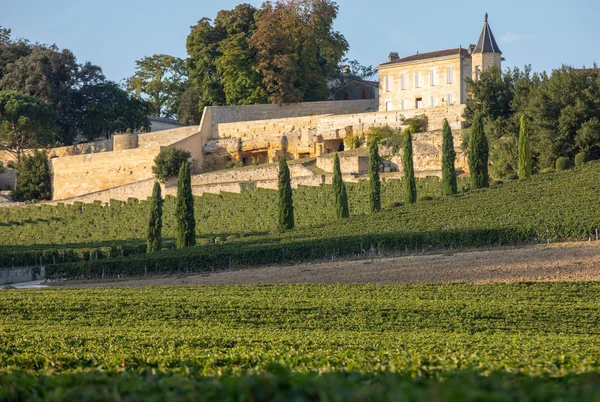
249, 174
348, 164
77, 175
165, 137
231, 114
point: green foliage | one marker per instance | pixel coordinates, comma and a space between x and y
380, 133
417, 124
478, 154
352, 141
374, 182
160, 80
281, 53
33, 178
154, 232
525, 162
184, 212
285, 204
454, 342
449, 185
339, 190
168, 163
26, 122
425, 198
563, 164
410, 186
581, 158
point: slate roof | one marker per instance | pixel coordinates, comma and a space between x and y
430, 55
487, 42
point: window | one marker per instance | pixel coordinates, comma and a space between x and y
403, 82
402, 104
364, 94
433, 77
388, 83
388, 106
450, 99
449, 74
433, 101
419, 103
418, 79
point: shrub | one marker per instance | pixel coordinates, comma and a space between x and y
380, 133
2, 168
563, 164
352, 141
418, 124
168, 162
581, 158
33, 178
425, 198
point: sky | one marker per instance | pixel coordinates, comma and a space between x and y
115, 33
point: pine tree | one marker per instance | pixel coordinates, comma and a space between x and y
410, 184
449, 186
525, 164
286, 207
478, 154
154, 232
374, 182
184, 212
339, 190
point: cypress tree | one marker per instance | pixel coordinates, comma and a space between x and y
184, 211
449, 186
153, 234
478, 154
410, 185
374, 182
286, 207
339, 190
525, 163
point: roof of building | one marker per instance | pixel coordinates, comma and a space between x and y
487, 42
361, 81
431, 55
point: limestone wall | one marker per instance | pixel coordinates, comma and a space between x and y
165, 137
249, 174
354, 164
77, 175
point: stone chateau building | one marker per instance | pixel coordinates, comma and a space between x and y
425, 83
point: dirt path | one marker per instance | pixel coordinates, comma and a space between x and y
555, 262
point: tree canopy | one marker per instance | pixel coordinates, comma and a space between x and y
77, 93
160, 80
285, 51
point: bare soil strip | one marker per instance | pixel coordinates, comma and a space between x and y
554, 262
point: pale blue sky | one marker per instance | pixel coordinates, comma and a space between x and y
115, 33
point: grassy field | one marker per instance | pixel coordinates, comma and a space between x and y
311, 342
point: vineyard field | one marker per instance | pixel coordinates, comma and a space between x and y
345, 342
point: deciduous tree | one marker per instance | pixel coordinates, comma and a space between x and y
33, 178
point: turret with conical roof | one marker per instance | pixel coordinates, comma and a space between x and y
486, 53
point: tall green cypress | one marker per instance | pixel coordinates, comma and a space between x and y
525, 164
286, 207
478, 154
154, 232
449, 186
339, 190
410, 184
184, 211
374, 183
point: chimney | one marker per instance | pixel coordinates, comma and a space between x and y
393, 56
